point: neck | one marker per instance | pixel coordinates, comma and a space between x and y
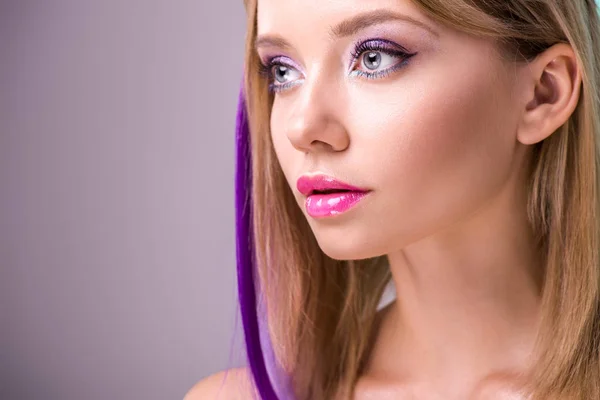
467, 298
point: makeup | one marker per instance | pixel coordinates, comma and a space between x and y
327, 205
327, 197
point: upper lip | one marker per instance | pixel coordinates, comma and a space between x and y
308, 184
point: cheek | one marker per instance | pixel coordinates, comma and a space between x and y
289, 157
437, 151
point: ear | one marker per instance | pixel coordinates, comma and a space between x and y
551, 84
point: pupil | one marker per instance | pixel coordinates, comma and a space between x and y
280, 73
373, 60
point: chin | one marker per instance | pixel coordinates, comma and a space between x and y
343, 247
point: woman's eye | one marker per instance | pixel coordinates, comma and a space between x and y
375, 63
281, 76
284, 74
372, 61
378, 58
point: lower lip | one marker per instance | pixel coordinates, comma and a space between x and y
328, 205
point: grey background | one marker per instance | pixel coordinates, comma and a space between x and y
117, 263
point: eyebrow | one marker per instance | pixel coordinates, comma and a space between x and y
350, 27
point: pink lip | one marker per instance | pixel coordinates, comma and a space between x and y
330, 204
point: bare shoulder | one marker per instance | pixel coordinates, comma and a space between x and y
231, 384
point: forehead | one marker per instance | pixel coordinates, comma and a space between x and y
296, 16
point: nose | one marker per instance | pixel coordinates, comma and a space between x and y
316, 123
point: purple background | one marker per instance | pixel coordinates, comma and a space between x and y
117, 250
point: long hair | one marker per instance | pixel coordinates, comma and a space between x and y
309, 319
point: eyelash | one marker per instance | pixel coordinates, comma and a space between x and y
376, 45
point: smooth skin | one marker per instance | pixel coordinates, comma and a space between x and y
443, 143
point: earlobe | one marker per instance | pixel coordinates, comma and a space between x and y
554, 85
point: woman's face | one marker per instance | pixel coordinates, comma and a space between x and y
420, 114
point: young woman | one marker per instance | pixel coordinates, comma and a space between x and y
446, 147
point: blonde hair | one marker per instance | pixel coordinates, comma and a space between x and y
321, 312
